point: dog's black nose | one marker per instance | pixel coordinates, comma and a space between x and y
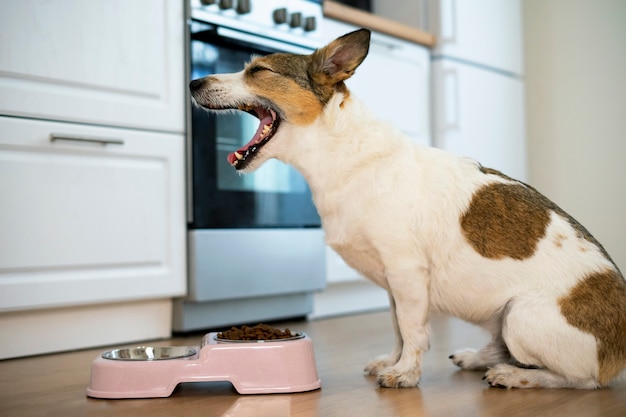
196, 84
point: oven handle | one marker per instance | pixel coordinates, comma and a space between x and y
259, 40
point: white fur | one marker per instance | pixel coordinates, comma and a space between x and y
391, 209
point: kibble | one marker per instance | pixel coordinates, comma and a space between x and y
259, 332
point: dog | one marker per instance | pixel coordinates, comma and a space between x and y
437, 231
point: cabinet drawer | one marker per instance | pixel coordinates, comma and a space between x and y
102, 62
463, 94
83, 221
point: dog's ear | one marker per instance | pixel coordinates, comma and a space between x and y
338, 60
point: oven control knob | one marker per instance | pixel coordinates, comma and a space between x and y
243, 6
280, 16
207, 2
226, 4
310, 24
296, 20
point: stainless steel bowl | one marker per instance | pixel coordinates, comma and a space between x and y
149, 353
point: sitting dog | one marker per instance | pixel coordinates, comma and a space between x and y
438, 232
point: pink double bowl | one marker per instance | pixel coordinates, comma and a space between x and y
253, 367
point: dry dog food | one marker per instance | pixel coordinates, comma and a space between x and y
258, 332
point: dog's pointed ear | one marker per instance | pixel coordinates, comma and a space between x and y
338, 60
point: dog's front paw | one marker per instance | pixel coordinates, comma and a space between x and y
466, 359
376, 365
396, 377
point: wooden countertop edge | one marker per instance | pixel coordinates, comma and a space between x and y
367, 20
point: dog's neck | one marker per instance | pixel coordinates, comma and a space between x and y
342, 142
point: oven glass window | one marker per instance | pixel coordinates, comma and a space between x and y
275, 195
235, 129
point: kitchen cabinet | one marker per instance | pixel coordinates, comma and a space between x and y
112, 62
86, 222
480, 114
478, 82
477, 77
92, 220
488, 32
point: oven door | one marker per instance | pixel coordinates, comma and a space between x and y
274, 196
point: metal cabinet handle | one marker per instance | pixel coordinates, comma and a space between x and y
82, 138
448, 21
449, 118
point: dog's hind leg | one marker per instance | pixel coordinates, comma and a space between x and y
510, 376
494, 353
539, 336
381, 362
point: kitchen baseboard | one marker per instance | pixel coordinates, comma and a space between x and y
351, 297
36, 332
191, 316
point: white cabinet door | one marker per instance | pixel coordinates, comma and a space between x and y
480, 114
84, 222
488, 32
104, 62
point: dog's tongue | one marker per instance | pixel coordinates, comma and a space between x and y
266, 120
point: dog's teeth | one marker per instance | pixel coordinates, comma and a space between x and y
238, 156
264, 132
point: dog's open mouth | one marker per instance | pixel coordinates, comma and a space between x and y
269, 121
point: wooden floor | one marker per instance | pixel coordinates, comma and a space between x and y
55, 385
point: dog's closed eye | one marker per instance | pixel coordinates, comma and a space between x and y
258, 69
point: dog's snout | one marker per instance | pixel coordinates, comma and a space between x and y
196, 84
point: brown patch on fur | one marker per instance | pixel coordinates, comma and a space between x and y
505, 220
558, 240
491, 171
597, 305
283, 80
301, 85
346, 97
524, 382
541, 200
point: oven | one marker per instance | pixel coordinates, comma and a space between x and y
256, 250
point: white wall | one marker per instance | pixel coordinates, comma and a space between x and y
575, 53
